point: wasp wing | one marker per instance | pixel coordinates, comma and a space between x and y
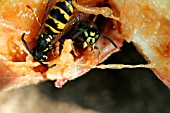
47, 10
75, 20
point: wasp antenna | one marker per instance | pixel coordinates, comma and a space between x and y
51, 66
94, 19
46, 66
34, 14
109, 40
99, 58
26, 44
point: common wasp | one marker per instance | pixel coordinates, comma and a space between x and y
89, 33
58, 21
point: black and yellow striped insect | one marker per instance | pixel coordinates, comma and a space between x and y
89, 33
56, 21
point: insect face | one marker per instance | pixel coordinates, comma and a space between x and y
42, 46
38, 55
90, 36
89, 33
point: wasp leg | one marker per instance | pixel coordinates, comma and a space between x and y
56, 49
94, 19
78, 33
46, 66
109, 40
75, 51
99, 53
34, 14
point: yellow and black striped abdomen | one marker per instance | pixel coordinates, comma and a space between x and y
58, 16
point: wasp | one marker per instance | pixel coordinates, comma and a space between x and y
56, 21
90, 34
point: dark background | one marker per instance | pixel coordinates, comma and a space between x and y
99, 91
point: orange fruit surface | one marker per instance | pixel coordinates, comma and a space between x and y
146, 24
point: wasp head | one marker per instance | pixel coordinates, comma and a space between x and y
90, 36
38, 55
